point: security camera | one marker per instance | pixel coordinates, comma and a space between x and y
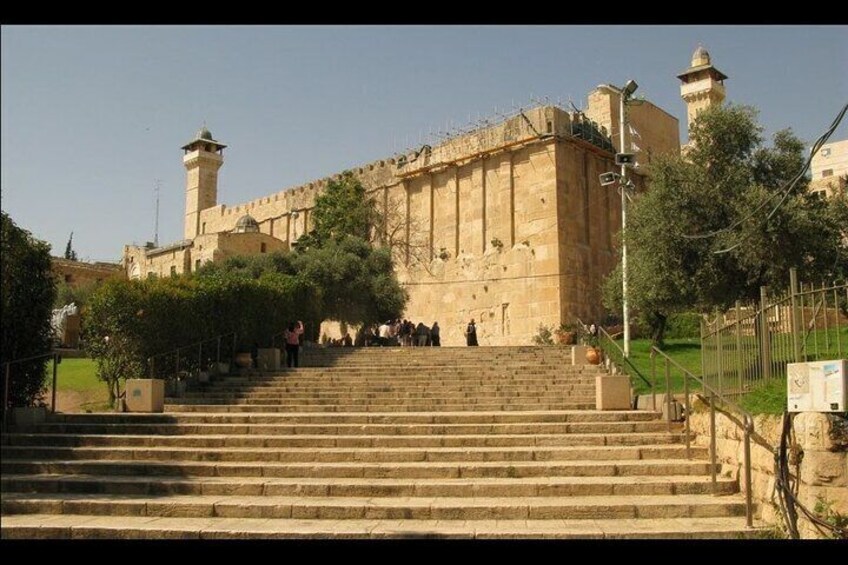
608, 178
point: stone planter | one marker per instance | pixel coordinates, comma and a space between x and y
612, 392
145, 395
219, 368
269, 359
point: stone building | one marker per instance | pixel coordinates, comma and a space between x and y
829, 169
80, 273
507, 224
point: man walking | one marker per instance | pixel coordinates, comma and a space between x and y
471, 334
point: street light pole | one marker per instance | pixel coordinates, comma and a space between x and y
623, 188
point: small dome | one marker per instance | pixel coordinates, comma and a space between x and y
247, 224
700, 57
205, 134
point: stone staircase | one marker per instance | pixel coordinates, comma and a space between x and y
379, 442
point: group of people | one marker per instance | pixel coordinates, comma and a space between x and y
404, 333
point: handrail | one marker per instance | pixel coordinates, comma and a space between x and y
748, 426
152, 359
625, 359
8, 379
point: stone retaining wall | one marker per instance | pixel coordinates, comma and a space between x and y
822, 440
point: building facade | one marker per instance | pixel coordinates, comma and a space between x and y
829, 169
508, 224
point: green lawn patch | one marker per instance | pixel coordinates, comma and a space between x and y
77, 374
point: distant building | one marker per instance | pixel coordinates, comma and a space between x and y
507, 224
80, 273
829, 169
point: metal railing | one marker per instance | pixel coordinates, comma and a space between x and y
615, 354
184, 357
713, 397
7, 380
751, 344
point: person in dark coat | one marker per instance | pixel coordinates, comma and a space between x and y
435, 339
471, 333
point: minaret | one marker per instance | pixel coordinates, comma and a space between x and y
702, 85
203, 157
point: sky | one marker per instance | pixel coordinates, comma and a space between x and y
92, 116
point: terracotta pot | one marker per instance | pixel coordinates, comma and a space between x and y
593, 356
565, 338
244, 360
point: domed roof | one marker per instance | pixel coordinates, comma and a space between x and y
700, 57
205, 134
247, 224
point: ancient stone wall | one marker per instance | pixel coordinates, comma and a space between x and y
823, 466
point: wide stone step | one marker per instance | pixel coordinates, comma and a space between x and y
353, 508
381, 400
383, 455
45, 526
176, 407
481, 417
367, 487
357, 469
384, 393
244, 439
396, 429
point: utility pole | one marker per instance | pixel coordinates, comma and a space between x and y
623, 189
156, 187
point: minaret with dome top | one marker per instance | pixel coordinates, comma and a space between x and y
203, 157
702, 85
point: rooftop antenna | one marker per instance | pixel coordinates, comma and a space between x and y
156, 188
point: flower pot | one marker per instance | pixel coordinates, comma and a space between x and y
244, 360
565, 338
593, 356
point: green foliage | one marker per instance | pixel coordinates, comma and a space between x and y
69, 250
544, 336
683, 324
355, 282
79, 295
28, 293
767, 398
343, 209
824, 510
726, 175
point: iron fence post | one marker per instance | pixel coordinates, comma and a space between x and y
55, 366
749, 505
796, 331
688, 412
765, 338
713, 457
738, 347
6, 393
667, 393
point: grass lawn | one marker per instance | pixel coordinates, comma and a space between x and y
77, 386
77, 374
686, 351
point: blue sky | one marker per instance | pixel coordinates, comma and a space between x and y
93, 115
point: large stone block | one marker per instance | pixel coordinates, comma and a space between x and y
145, 395
612, 392
269, 359
823, 468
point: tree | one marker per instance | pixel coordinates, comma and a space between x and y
342, 257
69, 251
28, 291
715, 191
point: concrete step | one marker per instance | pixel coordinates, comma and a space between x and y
175, 407
355, 469
354, 508
45, 526
435, 454
575, 416
545, 428
366, 487
211, 436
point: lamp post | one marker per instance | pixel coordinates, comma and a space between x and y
624, 159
